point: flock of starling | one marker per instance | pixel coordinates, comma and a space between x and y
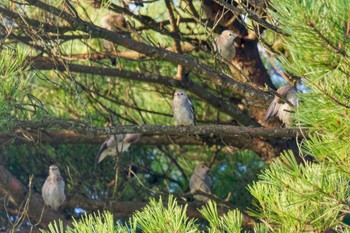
183, 113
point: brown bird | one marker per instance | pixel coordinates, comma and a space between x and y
113, 22
224, 44
116, 144
282, 109
53, 189
201, 180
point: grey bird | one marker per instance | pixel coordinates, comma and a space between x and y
53, 189
113, 22
183, 110
201, 180
116, 144
224, 44
282, 109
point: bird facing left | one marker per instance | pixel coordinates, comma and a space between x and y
53, 189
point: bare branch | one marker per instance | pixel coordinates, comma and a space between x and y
189, 63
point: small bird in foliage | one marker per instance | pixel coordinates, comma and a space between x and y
224, 44
183, 110
280, 108
116, 144
113, 22
53, 189
201, 180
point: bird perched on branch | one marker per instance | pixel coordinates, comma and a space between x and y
113, 22
183, 110
116, 144
282, 109
224, 44
201, 180
53, 189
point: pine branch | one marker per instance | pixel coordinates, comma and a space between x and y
82, 127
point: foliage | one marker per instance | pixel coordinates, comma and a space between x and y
230, 222
312, 196
16, 101
158, 217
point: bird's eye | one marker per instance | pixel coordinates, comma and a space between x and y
182, 93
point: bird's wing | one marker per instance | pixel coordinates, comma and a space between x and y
102, 153
131, 138
109, 143
272, 110
190, 108
44, 190
208, 180
61, 185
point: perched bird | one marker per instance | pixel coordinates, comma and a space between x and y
201, 180
116, 144
224, 44
53, 189
282, 109
113, 22
183, 110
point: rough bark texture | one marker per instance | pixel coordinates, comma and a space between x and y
247, 57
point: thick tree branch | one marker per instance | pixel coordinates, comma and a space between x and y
263, 148
243, 90
218, 103
220, 130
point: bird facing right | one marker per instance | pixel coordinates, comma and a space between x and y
116, 144
201, 180
53, 189
224, 44
183, 110
282, 109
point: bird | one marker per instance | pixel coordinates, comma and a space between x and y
116, 144
183, 110
113, 22
201, 180
282, 109
53, 189
224, 44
